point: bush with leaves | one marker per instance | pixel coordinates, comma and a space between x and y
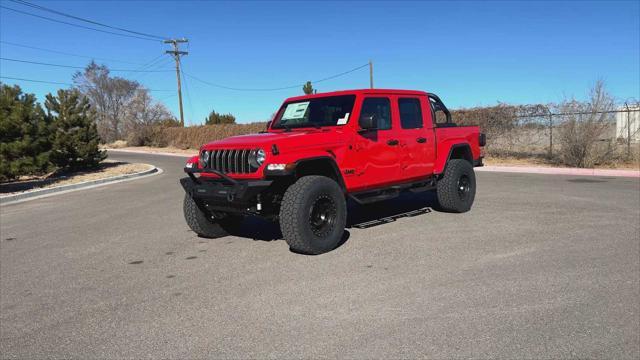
75, 136
24, 134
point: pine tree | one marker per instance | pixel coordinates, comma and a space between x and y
75, 136
308, 88
24, 134
214, 118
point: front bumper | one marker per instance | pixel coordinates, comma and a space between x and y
224, 193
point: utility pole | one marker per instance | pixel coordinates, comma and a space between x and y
176, 55
370, 74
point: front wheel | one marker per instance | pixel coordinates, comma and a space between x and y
313, 215
204, 224
456, 189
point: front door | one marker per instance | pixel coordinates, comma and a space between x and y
376, 152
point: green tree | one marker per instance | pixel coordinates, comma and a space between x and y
24, 134
214, 118
75, 136
308, 88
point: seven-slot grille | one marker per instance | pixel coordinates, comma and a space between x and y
234, 161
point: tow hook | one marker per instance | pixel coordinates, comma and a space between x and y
231, 197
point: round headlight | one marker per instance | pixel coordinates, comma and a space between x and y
204, 158
257, 158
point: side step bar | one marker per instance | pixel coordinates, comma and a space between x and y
393, 191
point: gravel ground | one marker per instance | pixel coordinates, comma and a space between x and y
107, 169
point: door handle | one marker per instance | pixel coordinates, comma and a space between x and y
392, 142
421, 140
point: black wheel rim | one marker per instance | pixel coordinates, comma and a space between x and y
464, 185
322, 216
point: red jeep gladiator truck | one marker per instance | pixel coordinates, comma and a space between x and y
318, 151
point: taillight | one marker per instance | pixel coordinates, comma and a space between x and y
482, 140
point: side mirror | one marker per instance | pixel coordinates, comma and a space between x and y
368, 122
269, 124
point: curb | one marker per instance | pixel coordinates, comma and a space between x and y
151, 153
561, 171
486, 168
37, 194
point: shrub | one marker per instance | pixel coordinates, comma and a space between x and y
194, 136
75, 136
583, 139
24, 135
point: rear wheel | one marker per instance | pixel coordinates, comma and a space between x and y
205, 224
456, 190
313, 215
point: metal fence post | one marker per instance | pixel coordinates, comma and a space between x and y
626, 105
550, 136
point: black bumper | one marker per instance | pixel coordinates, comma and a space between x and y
224, 193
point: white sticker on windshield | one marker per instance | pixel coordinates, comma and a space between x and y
343, 120
295, 110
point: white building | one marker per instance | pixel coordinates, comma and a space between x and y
626, 121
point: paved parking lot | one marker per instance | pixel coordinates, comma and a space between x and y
542, 267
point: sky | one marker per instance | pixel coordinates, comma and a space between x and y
470, 53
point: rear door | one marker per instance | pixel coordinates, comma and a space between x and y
416, 136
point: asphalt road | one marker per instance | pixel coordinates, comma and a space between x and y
542, 267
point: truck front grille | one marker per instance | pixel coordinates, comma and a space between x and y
231, 161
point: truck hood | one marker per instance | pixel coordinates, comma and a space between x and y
285, 141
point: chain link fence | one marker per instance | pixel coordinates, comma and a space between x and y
549, 132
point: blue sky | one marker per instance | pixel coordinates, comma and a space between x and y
469, 53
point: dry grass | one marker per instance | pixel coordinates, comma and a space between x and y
105, 170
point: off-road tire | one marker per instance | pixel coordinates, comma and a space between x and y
300, 206
451, 196
204, 224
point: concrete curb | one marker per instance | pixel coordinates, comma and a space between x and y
561, 171
37, 194
509, 169
151, 153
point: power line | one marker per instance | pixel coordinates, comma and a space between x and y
77, 25
275, 89
66, 53
75, 67
39, 7
38, 81
69, 84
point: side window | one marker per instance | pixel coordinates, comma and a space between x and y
410, 113
380, 108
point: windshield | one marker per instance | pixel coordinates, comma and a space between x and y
327, 111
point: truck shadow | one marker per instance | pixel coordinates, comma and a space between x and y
359, 216
406, 205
